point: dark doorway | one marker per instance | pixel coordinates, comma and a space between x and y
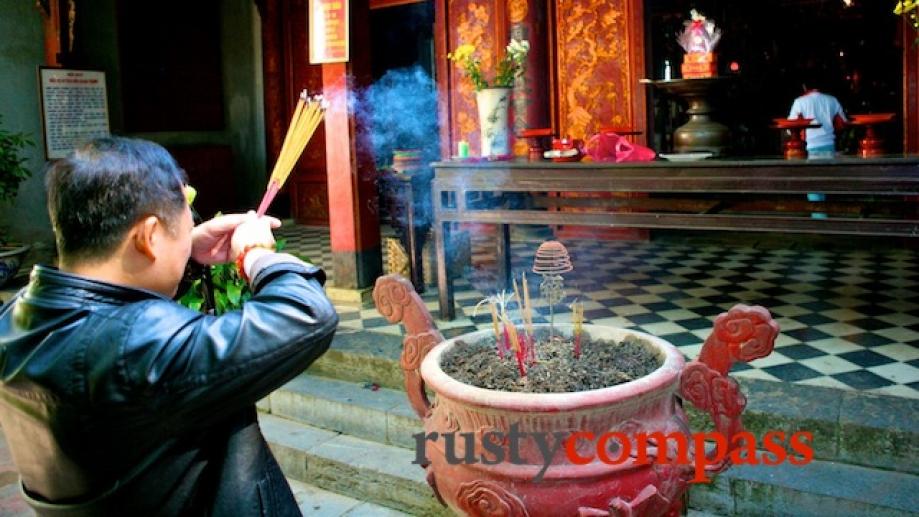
171, 65
401, 104
401, 36
854, 45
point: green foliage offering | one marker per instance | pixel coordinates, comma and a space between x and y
229, 292
12, 170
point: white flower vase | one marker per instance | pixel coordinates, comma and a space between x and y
493, 104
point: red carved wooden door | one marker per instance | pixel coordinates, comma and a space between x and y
287, 71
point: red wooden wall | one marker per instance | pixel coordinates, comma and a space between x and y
910, 88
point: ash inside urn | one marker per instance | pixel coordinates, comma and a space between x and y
602, 364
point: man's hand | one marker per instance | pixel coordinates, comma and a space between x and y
254, 231
212, 240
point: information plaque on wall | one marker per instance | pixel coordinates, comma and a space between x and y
74, 108
328, 22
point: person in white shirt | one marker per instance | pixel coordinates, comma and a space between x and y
826, 111
821, 141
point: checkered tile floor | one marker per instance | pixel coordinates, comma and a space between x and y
849, 319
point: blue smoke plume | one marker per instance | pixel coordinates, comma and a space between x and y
399, 111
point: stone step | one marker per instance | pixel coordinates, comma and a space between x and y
317, 502
361, 357
848, 426
370, 471
383, 474
361, 410
819, 488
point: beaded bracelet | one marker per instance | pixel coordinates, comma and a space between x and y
241, 258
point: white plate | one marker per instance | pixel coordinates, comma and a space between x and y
685, 157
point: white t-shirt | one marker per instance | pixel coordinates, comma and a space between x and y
823, 109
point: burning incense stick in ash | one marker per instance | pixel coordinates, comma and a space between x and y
577, 318
519, 346
526, 317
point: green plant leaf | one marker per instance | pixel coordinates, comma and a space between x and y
234, 294
12, 164
220, 298
194, 297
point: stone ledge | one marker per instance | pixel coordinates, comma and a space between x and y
818, 489
317, 502
383, 415
358, 297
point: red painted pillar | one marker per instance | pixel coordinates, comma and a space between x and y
353, 222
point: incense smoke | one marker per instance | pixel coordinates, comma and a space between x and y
399, 111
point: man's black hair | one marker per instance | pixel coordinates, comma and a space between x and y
814, 77
100, 190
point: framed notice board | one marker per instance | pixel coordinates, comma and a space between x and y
328, 22
74, 108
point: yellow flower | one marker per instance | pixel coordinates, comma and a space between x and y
463, 52
509, 67
190, 194
905, 6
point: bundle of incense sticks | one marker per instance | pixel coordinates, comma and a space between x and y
577, 317
307, 116
526, 314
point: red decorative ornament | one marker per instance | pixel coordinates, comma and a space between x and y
484, 499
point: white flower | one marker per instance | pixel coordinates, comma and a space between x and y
518, 49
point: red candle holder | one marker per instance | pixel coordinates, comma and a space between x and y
872, 144
794, 147
567, 144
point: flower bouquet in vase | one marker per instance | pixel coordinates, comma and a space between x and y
493, 99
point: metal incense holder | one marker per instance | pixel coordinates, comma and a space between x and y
551, 261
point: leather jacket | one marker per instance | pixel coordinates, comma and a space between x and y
119, 401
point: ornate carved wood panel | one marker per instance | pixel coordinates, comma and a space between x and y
599, 51
481, 23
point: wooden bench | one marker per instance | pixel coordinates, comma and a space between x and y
866, 197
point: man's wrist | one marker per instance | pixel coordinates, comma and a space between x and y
248, 256
253, 256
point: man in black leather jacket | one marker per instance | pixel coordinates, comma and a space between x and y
116, 400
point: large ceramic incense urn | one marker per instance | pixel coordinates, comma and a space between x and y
536, 486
